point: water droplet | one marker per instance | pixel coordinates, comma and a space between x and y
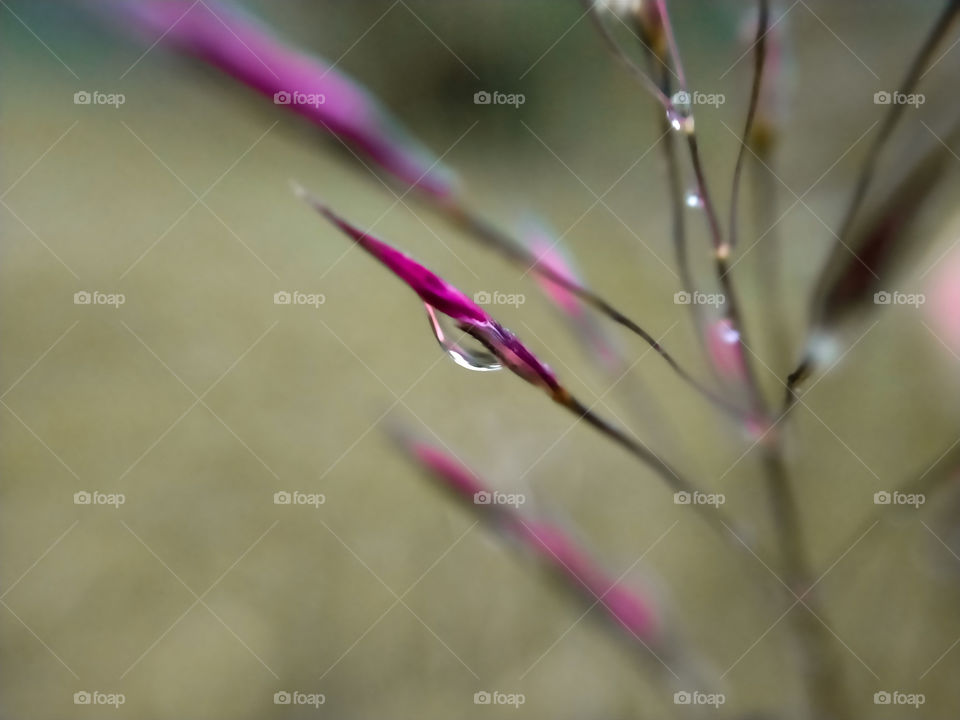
693, 199
728, 333
680, 114
477, 358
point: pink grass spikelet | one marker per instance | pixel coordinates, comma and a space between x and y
246, 49
549, 543
440, 296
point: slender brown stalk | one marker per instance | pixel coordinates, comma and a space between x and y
821, 666
731, 305
678, 214
914, 73
928, 480
909, 83
821, 669
489, 235
632, 67
771, 259
759, 59
674, 480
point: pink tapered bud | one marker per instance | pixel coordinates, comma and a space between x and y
443, 297
549, 543
550, 255
249, 51
726, 350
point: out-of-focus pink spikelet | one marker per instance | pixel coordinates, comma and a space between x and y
548, 542
550, 255
726, 350
249, 51
443, 297
943, 307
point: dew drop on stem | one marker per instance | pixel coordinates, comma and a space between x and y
476, 357
693, 199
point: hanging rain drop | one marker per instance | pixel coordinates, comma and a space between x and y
478, 359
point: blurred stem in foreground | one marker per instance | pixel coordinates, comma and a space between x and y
820, 668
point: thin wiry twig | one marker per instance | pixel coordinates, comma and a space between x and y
759, 58
635, 70
482, 230
914, 73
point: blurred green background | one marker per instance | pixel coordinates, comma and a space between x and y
199, 398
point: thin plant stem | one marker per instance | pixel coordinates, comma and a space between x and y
821, 667
672, 42
909, 83
914, 73
927, 481
678, 217
759, 60
771, 260
638, 73
731, 304
489, 235
674, 480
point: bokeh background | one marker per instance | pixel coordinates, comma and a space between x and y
199, 398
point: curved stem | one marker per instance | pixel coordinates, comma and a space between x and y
910, 81
821, 667
759, 58
673, 479
634, 69
491, 236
